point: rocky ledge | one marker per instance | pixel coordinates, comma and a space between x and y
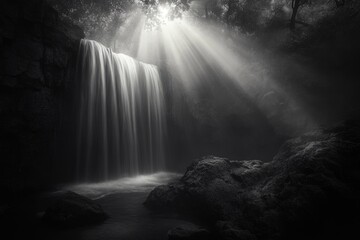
310, 189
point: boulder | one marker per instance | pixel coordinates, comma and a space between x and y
312, 182
69, 209
189, 232
226, 231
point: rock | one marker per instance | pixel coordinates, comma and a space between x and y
313, 179
29, 49
226, 231
14, 65
189, 232
69, 209
37, 54
8, 81
34, 71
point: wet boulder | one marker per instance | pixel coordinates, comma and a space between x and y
68, 209
226, 231
189, 232
309, 186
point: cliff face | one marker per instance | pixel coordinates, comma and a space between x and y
37, 52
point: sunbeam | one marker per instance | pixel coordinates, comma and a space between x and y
199, 54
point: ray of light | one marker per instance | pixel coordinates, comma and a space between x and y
202, 56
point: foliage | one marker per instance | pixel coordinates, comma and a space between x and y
340, 3
101, 18
98, 18
253, 15
248, 15
160, 11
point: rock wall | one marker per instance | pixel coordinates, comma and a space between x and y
37, 50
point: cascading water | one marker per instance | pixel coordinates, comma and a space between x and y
121, 115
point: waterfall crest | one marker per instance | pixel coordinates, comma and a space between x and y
121, 115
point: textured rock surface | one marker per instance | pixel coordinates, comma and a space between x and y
191, 232
36, 49
227, 231
311, 183
69, 209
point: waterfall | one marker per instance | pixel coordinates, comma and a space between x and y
121, 122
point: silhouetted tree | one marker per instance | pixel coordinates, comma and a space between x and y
232, 6
339, 3
177, 5
212, 8
295, 5
99, 18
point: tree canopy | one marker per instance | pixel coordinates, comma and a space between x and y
100, 18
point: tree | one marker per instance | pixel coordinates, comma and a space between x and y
339, 3
295, 5
98, 18
177, 6
232, 7
159, 12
